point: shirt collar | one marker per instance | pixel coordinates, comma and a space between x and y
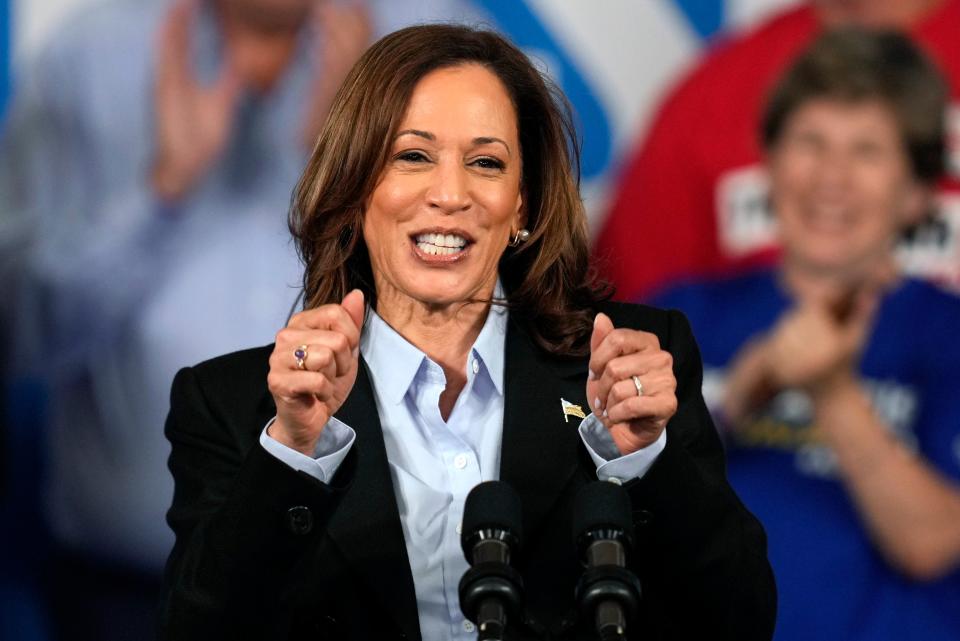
491, 342
394, 361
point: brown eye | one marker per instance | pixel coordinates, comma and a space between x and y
411, 156
488, 163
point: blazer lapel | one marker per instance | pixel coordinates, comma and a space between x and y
540, 451
366, 525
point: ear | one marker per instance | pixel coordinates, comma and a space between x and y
917, 202
521, 211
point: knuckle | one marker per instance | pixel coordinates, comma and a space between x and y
625, 411
664, 360
340, 343
634, 406
618, 338
324, 357
323, 388
617, 369
331, 312
614, 397
296, 319
282, 388
273, 381
672, 405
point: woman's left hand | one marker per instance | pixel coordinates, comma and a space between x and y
621, 361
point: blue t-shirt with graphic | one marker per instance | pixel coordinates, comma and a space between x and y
832, 581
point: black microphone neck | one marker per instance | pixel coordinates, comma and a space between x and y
608, 552
604, 546
491, 544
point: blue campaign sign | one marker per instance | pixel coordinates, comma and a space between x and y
705, 16
520, 23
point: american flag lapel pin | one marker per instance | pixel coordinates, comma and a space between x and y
569, 409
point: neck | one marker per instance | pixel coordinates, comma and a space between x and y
261, 50
445, 334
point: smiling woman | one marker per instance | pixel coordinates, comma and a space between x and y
451, 330
550, 273
449, 198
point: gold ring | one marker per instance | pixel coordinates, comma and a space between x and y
638, 385
301, 355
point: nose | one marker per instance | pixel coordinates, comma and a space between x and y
834, 171
449, 191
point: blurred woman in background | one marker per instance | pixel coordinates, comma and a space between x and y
834, 376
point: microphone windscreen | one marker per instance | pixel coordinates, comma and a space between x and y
491, 504
601, 505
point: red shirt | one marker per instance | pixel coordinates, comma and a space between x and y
692, 200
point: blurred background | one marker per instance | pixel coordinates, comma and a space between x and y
148, 153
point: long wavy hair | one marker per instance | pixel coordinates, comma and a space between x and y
551, 289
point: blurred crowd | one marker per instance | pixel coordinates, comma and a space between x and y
797, 195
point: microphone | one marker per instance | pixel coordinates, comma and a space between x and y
491, 591
608, 592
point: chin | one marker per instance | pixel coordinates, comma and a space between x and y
444, 296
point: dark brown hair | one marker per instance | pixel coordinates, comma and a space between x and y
549, 284
854, 65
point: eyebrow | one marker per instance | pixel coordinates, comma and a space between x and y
480, 140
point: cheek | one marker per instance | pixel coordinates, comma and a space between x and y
792, 174
389, 207
501, 204
885, 192
882, 184
392, 199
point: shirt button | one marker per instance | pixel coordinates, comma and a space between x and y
476, 369
460, 461
468, 626
615, 480
460, 528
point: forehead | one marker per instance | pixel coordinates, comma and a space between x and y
468, 100
868, 116
275, 5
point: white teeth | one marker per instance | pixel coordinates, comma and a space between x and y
440, 244
436, 250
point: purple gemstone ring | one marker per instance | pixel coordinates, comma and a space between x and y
301, 355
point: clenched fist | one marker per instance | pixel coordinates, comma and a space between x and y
313, 368
631, 386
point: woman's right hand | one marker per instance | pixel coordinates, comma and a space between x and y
306, 398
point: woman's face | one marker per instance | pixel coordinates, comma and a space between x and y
441, 215
842, 185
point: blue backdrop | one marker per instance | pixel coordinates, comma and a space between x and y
4, 53
521, 23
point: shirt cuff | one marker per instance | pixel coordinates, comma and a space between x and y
335, 442
611, 464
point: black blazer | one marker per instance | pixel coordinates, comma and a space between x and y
264, 552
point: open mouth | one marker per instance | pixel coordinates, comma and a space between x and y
829, 222
440, 245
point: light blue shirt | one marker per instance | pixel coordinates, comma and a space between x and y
435, 463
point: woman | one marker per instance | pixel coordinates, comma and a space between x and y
836, 375
450, 336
